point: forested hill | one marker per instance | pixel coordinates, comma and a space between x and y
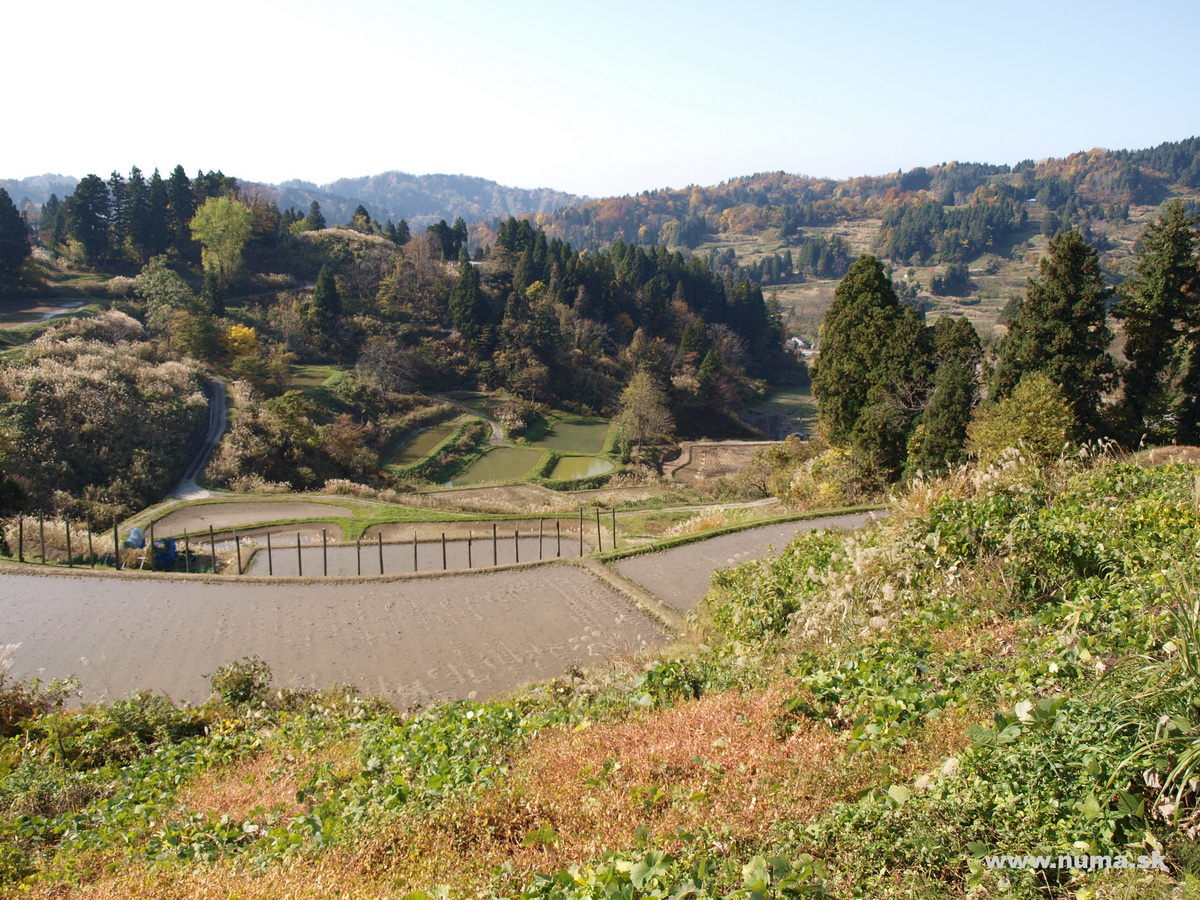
945, 213
36, 189
418, 199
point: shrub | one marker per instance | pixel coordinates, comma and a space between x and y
243, 681
1037, 419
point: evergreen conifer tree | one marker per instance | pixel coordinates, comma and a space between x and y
1060, 330
327, 302
315, 220
14, 241
1160, 307
467, 307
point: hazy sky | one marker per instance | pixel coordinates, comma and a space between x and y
594, 98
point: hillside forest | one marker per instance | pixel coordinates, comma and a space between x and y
206, 277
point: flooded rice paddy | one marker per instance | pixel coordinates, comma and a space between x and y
569, 468
500, 464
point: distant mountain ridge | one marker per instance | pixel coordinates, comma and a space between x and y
38, 188
418, 199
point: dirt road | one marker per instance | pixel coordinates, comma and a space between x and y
188, 489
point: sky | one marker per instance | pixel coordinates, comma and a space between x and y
593, 98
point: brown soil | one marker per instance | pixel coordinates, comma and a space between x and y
509, 498
703, 460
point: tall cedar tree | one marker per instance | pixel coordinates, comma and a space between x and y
1160, 307
87, 210
1060, 330
327, 302
14, 241
315, 220
873, 367
468, 307
943, 429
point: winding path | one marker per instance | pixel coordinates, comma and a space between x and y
497, 437
188, 488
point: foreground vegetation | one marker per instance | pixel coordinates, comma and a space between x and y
1008, 665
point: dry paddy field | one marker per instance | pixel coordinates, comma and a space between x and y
703, 460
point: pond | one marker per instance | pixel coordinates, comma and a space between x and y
568, 468
420, 445
500, 464
576, 436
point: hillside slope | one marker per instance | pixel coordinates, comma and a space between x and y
1006, 666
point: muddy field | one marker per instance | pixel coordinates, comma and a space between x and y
681, 576
455, 555
702, 461
409, 641
222, 516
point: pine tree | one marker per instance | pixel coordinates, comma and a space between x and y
327, 302
14, 242
1159, 305
1060, 330
181, 206
87, 212
51, 223
942, 435
315, 220
873, 369
467, 304
155, 234
361, 220
693, 342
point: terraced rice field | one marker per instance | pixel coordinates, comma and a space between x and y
500, 464
569, 468
420, 445
574, 436
409, 641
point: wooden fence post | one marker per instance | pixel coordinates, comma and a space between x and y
212, 548
517, 543
70, 561
358, 553
541, 523
237, 543
42, 535
614, 527
299, 557
270, 560
599, 533
324, 553
581, 532
470, 539
91, 549
379, 535
116, 547
150, 547
20, 539
494, 557
558, 535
